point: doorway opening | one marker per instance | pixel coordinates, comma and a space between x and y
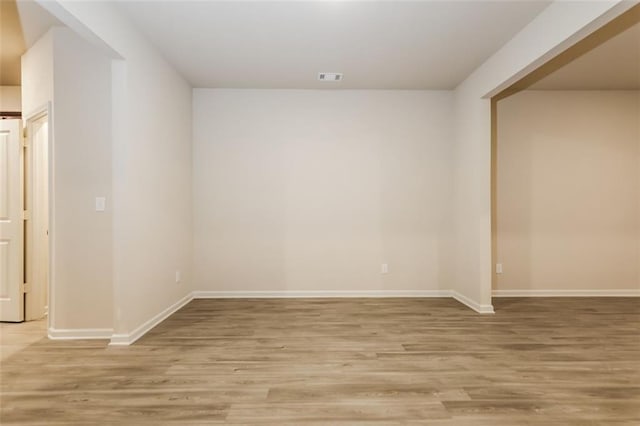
565, 144
36, 223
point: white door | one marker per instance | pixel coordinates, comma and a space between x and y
11, 222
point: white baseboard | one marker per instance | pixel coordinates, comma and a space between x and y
481, 309
285, 294
79, 333
128, 339
566, 293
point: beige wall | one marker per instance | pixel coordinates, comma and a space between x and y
78, 84
314, 190
568, 194
82, 171
10, 99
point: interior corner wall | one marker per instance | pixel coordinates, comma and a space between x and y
152, 203
312, 190
64, 70
568, 196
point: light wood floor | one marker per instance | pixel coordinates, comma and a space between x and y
16, 337
343, 361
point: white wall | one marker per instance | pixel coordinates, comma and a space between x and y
152, 187
152, 234
314, 190
78, 85
10, 98
568, 197
472, 198
37, 75
82, 171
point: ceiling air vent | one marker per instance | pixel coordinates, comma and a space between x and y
330, 76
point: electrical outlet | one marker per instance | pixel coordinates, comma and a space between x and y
384, 269
178, 276
101, 204
498, 268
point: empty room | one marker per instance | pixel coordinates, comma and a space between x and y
320, 212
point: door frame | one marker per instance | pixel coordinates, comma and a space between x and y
28, 119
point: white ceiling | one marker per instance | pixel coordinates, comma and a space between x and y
284, 44
614, 65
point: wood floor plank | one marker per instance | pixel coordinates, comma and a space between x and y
354, 361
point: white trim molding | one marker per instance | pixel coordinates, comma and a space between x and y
128, 339
79, 333
286, 294
125, 339
481, 309
566, 293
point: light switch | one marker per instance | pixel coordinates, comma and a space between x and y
101, 203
